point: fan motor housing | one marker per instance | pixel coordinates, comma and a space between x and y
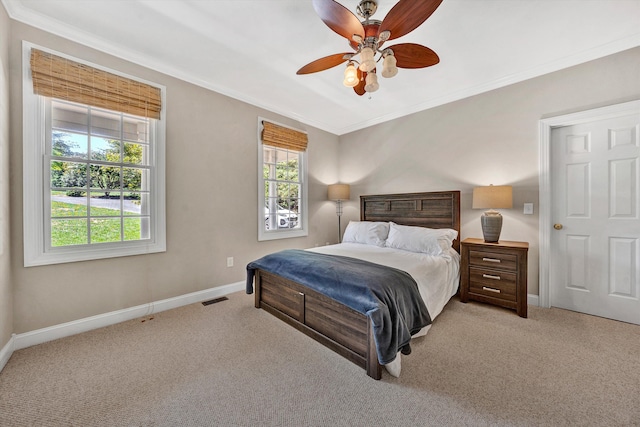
371, 28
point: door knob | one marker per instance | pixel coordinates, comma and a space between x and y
557, 226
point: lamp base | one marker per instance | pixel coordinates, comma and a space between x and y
491, 226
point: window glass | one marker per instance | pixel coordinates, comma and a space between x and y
101, 189
282, 188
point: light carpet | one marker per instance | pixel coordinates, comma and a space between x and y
230, 364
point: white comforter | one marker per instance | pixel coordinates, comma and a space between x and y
437, 276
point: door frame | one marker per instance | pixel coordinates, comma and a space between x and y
545, 183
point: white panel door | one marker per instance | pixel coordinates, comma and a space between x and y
595, 245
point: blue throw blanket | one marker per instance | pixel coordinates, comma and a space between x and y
389, 297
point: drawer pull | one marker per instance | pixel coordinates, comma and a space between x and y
491, 276
491, 260
497, 291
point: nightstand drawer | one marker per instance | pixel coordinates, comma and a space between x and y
492, 283
494, 273
493, 260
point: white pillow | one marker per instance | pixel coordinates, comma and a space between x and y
431, 241
366, 232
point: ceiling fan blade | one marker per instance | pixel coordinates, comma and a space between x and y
359, 88
324, 63
338, 18
407, 15
411, 55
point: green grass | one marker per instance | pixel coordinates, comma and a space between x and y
71, 229
60, 209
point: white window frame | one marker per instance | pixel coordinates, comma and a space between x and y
37, 251
282, 233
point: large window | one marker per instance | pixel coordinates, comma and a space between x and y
93, 176
282, 204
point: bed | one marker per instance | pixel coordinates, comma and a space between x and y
336, 325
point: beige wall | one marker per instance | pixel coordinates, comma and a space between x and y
212, 203
212, 176
6, 290
490, 138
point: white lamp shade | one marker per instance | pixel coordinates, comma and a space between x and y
367, 64
350, 76
389, 68
493, 197
371, 83
339, 192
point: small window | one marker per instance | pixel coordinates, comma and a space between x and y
282, 204
93, 174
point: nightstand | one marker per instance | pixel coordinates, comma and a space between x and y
494, 273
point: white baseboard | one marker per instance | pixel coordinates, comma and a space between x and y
533, 300
51, 333
6, 352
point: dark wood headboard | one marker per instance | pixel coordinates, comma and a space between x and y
440, 209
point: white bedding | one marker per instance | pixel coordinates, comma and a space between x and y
437, 276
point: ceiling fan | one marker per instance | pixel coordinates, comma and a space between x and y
366, 38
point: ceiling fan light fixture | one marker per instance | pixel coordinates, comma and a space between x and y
371, 83
389, 68
368, 63
366, 37
350, 76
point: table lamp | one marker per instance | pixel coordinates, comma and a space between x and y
492, 197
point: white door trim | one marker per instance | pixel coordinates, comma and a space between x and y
544, 143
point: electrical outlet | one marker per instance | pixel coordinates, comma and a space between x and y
230, 261
528, 208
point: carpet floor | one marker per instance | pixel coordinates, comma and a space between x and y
230, 364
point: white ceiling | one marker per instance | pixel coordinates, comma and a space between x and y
251, 49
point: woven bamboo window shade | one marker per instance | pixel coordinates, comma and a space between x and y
282, 137
61, 78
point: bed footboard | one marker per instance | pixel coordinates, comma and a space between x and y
332, 324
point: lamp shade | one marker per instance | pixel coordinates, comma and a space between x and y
339, 192
350, 76
389, 68
493, 197
368, 63
371, 83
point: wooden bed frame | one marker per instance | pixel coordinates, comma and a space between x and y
338, 327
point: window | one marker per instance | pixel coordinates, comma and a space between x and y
93, 169
282, 182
